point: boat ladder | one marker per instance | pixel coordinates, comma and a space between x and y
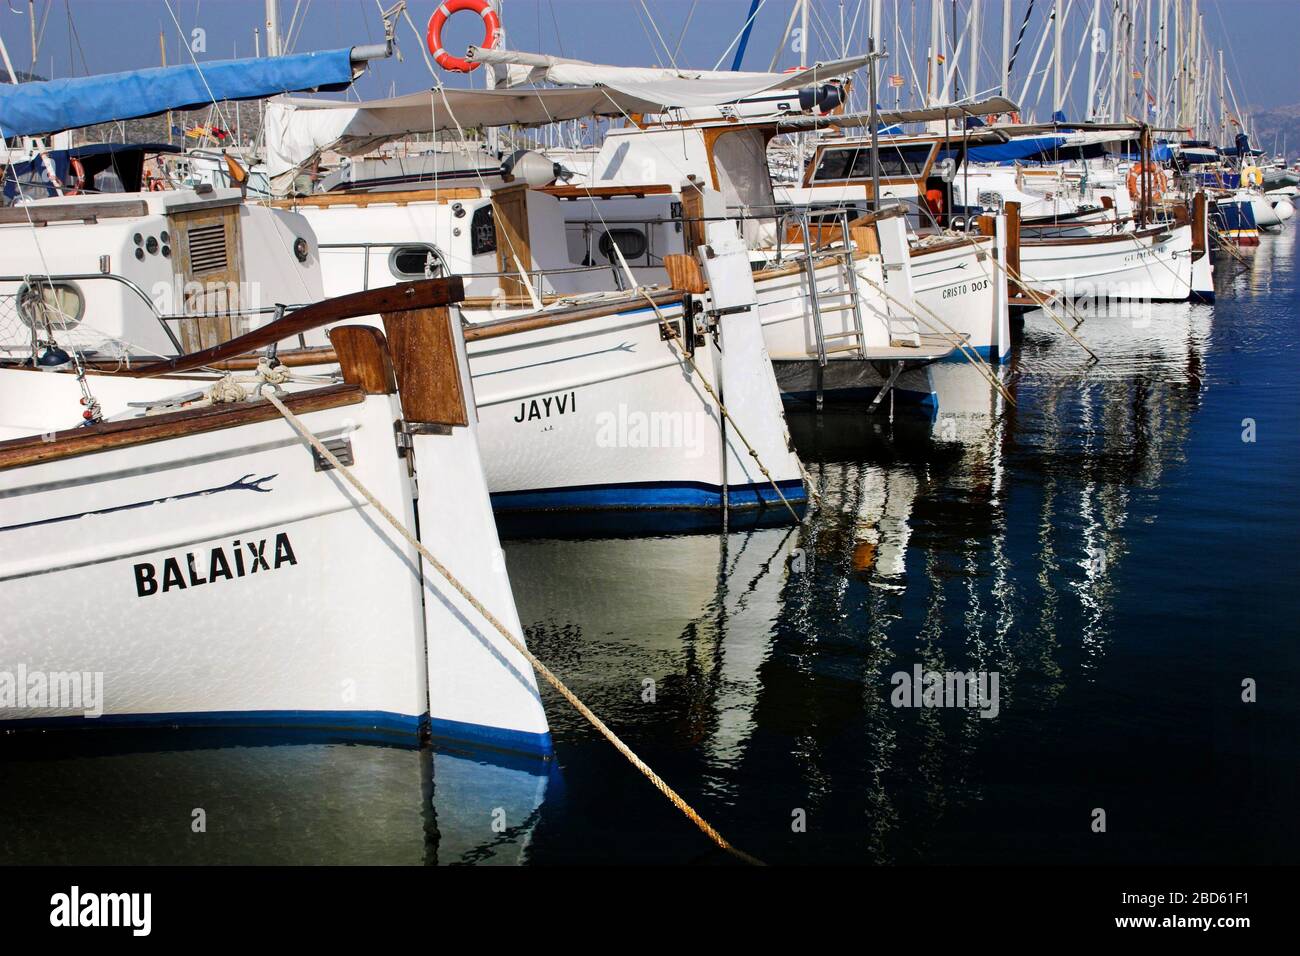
843, 297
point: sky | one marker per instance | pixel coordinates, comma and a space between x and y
98, 36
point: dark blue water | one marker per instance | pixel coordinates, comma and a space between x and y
1109, 546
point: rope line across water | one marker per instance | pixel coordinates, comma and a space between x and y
673, 797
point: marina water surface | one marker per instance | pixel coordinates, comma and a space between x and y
1114, 554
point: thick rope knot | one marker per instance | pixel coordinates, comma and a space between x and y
272, 374
226, 391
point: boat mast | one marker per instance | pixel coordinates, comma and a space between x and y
932, 88
972, 74
272, 28
1222, 104
1056, 59
803, 33
1162, 41
1006, 48
31, 16
162, 57
1095, 44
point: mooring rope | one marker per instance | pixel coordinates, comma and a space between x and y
673, 797
1042, 303
675, 338
950, 335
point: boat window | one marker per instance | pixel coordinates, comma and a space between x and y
632, 243
482, 231
740, 162
854, 162
417, 260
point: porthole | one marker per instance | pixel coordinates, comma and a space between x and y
631, 242
416, 260
58, 305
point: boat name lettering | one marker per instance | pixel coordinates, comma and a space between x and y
535, 409
962, 288
191, 569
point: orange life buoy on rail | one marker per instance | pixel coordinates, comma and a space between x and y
78, 178
1157, 181
491, 32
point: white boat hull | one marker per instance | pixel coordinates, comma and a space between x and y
1130, 267
603, 413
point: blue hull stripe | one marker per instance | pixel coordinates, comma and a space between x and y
358, 724
832, 396
987, 352
496, 738
647, 494
358, 720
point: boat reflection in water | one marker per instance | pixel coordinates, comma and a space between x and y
260, 797
754, 669
992, 540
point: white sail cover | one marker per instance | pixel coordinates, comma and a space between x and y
298, 130
679, 88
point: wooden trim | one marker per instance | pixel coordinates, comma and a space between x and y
396, 198
945, 246
1199, 245
215, 307
693, 214
684, 274
495, 302
1146, 233
290, 358
426, 365
542, 320
588, 192
404, 296
1012, 211
72, 212
364, 359
106, 436
514, 240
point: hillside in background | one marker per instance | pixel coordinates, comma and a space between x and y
1275, 124
244, 118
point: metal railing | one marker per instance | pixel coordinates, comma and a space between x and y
162, 318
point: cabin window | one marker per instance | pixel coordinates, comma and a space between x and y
482, 231
855, 162
631, 242
418, 260
56, 305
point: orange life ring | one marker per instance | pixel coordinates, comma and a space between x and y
934, 202
491, 32
1157, 180
78, 178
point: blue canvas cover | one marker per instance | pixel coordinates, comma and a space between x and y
33, 109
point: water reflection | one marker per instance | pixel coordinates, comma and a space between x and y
991, 540
255, 797
1044, 539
